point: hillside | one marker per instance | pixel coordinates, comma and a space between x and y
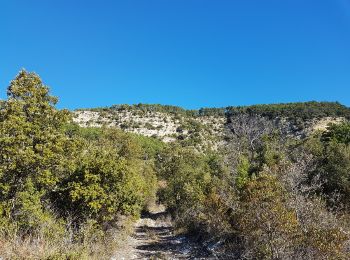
166, 123
162, 182
207, 127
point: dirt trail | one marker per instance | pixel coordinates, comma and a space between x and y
154, 238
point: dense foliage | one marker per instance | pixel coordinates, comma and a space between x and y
277, 199
294, 111
332, 152
167, 109
66, 192
60, 183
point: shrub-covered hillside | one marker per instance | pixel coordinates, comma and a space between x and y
206, 128
73, 192
167, 123
295, 111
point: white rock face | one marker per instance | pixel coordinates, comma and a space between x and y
164, 126
86, 118
322, 124
204, 130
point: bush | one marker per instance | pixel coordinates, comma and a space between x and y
62, 187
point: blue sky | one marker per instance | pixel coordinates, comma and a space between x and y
191, 53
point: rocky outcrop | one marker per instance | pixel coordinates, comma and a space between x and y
200, 131
203, 130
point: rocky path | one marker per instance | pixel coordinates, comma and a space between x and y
154, 238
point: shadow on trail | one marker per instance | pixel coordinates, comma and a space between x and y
155, 216
163, 243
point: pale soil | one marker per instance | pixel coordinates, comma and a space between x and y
154, 238
322, 124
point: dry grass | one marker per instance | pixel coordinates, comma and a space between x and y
92, 247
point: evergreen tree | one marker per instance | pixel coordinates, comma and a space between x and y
34, 149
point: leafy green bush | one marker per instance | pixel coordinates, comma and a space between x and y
60, 183
35, 153
337, 132
332, 155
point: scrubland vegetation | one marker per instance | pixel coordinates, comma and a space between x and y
68, 192
65, 190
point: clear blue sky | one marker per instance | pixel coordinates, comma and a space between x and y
191, 53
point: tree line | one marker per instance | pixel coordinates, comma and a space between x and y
292, 111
